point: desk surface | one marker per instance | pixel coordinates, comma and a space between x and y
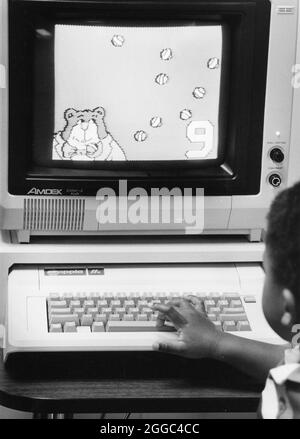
123, 382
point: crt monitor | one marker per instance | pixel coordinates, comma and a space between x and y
158, 93
162, 94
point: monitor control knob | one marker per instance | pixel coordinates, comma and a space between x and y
277, 155
275, 180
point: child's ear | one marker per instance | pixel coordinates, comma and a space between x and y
289, 308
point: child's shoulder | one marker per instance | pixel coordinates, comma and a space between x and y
281, 395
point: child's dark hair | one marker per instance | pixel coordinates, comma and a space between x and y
283, 238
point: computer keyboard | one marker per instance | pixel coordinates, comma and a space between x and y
117, 312
110, 308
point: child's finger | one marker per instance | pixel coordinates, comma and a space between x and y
165, 327
176, 348
163, 323
194, 300
164, 307
173, 315
161, 308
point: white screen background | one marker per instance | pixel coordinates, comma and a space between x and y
90, 71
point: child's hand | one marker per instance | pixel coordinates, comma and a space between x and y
197, 336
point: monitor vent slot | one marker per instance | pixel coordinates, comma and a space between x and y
285, 9
51, 214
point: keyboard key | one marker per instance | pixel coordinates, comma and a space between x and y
212, 317
74, 304
86, 320
201, 295
108, 296
98, 327
214, 295
209, 304
83, 329
54, 296
106, 311
153, 317
121, 312
78, 311
232, 317
142, 317
60, 311
70, 327
134, 295
243, 326
115, 303
186, 294
223, 303
147, 295
147, 311
55, 327
81, 296
88, 304
135, 326
57, 304
68, 297
233, 310
134, 311
63, 318
128, 317
129, 304
92, 311
250, 299
229, 326
230, 295
100, 318
218, 324
102, 303
142, 304
161, 296
236, 303
114, 317
214, 310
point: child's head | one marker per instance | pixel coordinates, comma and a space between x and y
281, 297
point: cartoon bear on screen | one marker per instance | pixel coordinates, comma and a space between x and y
85, 137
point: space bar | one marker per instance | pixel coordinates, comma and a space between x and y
126, 326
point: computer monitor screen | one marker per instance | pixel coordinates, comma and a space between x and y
137, 93
161, 94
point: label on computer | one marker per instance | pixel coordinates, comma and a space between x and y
95, 271
65, 271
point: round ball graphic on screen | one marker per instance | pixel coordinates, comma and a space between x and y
162, 79
156, 122
140, 136
199, 92
185, 114
166, 54
118, 40
213, 63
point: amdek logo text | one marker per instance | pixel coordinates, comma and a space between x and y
36, 191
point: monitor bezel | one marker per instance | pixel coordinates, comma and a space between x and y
237, 171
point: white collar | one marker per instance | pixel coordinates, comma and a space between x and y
290, 370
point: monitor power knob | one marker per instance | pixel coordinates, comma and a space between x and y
275, 180
277, 155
